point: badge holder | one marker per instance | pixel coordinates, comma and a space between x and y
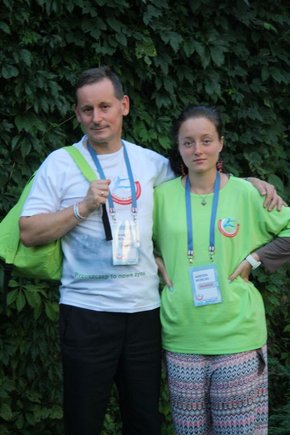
126, 243
205, 285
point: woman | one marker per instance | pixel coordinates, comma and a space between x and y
214, 331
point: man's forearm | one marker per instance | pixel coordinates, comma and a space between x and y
275, 254
47, 227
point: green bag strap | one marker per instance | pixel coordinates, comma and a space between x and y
90, 175
81, 162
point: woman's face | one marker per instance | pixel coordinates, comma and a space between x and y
199, 144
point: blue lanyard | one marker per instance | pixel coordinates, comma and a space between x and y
103, 177
211, 248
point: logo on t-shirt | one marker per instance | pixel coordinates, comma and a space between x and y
121, 190
229, 227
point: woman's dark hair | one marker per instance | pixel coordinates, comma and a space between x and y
189, 112
94, 75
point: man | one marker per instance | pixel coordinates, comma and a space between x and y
109, 301
109, 314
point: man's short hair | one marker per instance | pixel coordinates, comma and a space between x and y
94, 75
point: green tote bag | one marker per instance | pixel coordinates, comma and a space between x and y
42, 262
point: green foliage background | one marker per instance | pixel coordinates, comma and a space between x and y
231, 53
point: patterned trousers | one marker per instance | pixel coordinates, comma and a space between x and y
219, 394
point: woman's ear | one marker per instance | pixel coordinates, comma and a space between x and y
221, 143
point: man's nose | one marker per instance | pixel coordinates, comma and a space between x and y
97, 116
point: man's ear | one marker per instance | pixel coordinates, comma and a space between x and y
76, 110
125, 105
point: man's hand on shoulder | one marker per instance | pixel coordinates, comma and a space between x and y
272, 199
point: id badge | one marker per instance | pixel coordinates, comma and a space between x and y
205, 285
126, 243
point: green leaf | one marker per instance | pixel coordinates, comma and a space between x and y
13, 283
265, 73
121, 38
164, 141
278, 75
52, 310
5, 28
168, 85
145, 49
20, 301
56, 412
163, 62
33, 298
5, 412
9, 71
115, 24
269, 26
11, 296
217, 55
26, 56
151, 13
277, 182
212, 87
29, 122
199, 48
188, 47
172, 38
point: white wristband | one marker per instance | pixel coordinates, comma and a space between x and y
77, 213
254, 263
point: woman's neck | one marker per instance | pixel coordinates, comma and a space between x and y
202, 184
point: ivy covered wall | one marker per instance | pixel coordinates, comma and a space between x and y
233, 54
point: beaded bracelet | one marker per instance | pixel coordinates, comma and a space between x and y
77, 215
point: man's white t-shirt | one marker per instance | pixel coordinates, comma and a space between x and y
89, 279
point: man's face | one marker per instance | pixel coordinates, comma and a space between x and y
101, 115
